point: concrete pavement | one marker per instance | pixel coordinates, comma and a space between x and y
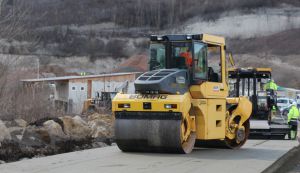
254, 157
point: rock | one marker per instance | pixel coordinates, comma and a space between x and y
105, 117
16, 123
4, 132
98, 129
16, 133
21, 123
2, 162
10, 151
79, 119
36, 136
55, 131
25, 158
40, 122
76, 128
99, 144
101, 126
16, 128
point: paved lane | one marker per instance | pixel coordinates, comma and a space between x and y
254, 157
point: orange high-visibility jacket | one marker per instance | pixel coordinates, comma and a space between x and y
188, 58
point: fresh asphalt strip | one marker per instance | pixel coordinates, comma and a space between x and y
286, 162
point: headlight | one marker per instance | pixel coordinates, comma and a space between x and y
171, 106
124, 105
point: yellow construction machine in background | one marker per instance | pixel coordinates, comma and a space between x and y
182, 102
266, 119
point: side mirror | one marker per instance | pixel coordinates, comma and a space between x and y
231, 59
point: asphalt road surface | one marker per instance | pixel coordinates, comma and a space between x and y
254, 157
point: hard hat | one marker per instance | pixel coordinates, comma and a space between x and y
294, 103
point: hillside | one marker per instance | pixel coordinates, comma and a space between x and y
97, 36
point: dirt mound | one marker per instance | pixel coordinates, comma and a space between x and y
136, 63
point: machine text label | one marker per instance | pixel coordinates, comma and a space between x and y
148, 96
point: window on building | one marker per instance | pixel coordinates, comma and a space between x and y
73, 88
82, 88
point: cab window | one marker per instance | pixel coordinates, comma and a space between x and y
200, 64
157, 56
214, 64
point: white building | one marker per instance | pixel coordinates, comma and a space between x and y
74, 90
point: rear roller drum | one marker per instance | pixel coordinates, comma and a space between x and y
241, 137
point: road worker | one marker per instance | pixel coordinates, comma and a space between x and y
293, 120
188, 57
271, 85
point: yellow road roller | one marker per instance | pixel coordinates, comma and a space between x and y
182, 101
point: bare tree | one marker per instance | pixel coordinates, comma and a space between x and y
13, 25
7, 84
13, 18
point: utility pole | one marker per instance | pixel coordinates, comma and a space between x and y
38, 68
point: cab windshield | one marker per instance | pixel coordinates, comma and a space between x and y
182, 56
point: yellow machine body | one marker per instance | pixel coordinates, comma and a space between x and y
207, 112
207, 118
265, 70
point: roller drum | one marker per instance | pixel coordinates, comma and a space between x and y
225, 143
151, 132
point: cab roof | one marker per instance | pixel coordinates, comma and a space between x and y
206, 38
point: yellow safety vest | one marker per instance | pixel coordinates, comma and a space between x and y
293, 113
271, 85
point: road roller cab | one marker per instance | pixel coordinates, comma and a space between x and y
182, 103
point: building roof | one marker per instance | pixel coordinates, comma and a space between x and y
65, 78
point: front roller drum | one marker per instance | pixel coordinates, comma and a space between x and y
151, 132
